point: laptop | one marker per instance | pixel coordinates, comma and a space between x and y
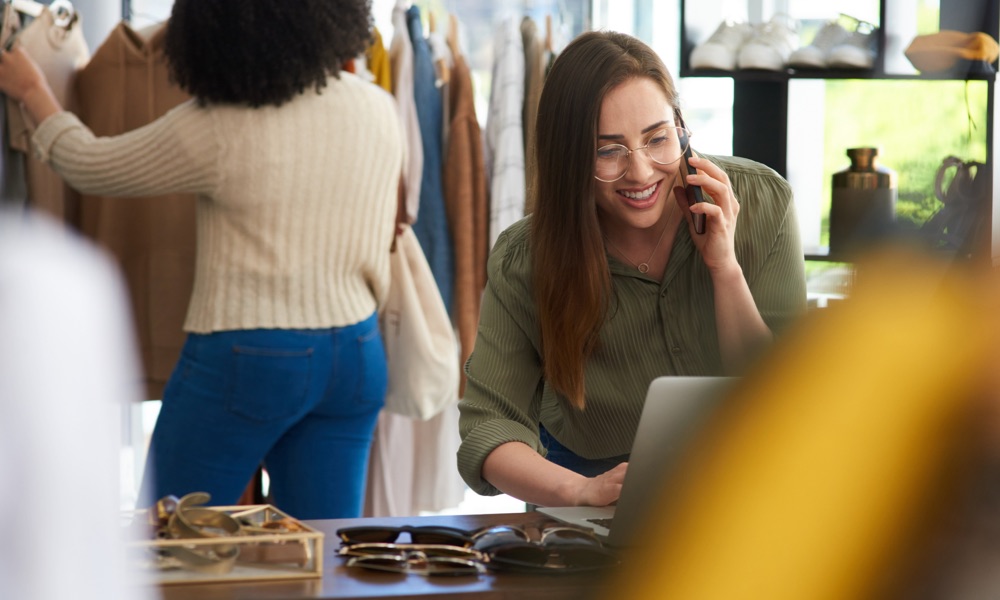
675, 410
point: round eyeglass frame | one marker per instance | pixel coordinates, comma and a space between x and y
630, 151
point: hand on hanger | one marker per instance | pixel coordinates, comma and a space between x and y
62, 11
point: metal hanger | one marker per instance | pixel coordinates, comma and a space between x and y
62, 11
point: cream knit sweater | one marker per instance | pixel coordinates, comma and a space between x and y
296, 204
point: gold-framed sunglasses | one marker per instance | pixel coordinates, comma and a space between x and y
415, 559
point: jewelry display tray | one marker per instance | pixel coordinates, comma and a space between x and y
306, 545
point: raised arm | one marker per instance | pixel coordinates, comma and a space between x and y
746, 310
22, 80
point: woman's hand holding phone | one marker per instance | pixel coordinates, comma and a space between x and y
713, 222
694, 193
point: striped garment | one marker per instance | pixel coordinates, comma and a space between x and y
654, 328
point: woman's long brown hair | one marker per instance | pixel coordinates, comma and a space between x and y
572, 281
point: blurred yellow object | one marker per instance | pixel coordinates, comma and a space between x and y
940, 51
816, 478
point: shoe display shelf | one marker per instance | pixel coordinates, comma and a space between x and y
760, 96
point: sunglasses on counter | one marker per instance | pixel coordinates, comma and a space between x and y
417, 561
431, 550
429, 534
560, 549
438, 550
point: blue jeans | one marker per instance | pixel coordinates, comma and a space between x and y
302, 402
564, 457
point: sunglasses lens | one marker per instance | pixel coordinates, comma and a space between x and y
441, 566
395, 564
528, 554
422, 537
495, 537
361, 535
417, 563
497, 530
559, 536
586, 557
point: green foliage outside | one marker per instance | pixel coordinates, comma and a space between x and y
914, 123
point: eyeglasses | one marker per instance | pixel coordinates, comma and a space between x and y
663, 146
560, 549
426, 559
429, 534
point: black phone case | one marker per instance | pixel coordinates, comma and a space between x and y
699, 196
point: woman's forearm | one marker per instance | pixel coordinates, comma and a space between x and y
40, 102
517, 470
741, 329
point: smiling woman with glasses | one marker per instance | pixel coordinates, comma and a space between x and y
664, 146
612, 281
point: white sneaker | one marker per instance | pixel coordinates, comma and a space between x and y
719, 50
770, 46
857, 51
814, 56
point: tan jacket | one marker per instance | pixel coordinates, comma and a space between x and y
123, 87
467, 207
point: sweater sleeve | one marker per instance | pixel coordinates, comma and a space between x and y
501, 402
177, 153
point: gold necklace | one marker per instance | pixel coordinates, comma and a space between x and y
643, 267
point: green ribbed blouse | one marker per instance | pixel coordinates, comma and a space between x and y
654, 328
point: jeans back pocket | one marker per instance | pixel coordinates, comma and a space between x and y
269, 383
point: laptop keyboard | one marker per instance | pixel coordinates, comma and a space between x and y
605, 523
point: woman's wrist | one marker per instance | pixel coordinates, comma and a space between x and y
40, 102
569, 491
727, 272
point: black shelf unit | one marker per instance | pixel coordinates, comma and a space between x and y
760, 98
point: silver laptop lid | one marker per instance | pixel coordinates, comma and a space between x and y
676, 408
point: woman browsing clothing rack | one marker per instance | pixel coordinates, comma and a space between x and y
295, 164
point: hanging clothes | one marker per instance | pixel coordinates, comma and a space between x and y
60, 51
436, 484
401, 63
410, 468
124, 86
467, 206
13, 178
431, 226
535, 62
377, 61
504, 136
441, 55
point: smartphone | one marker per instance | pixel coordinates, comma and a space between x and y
693, 190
